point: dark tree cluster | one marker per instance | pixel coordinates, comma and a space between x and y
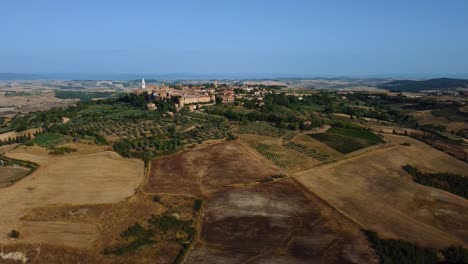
83, 96
456, 184
391, 251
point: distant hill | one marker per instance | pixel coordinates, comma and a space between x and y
432, 84
21, 76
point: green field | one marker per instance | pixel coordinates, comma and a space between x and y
356, 133
347, 138
342, 144
48, 139
261, 128
307, 151
279, 155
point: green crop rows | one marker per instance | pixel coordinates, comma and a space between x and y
307, 151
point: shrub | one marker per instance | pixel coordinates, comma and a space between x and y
48, 139
455, 255
138, 237
197, 205
157, 199
61, 151
13, 234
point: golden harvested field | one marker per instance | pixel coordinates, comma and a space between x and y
6, 148
271, 149
373, 189
102, 177
38, 102
80, 149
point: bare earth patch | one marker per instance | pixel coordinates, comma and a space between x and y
205, 170
374, 190
276, 223
245, 221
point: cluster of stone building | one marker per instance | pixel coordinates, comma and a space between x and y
196, 96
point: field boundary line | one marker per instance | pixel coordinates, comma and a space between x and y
307, 190
259, 156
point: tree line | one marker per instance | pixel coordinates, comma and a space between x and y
393, 251
17, 139
456, 184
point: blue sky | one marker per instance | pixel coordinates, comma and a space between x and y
310, 38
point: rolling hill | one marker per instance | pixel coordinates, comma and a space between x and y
431, 84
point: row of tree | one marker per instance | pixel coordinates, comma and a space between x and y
456, 184
17, 139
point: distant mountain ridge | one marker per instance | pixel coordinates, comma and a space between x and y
431, 84
21, 76
133, 76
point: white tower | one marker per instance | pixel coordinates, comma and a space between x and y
143, 85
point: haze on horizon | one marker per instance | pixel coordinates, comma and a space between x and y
276, 37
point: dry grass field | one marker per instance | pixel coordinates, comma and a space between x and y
207, 169
6, 148
276, 223
102, 177
109, 221
37, 102
373, 189
11, 174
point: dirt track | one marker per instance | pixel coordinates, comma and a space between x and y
373, 189
72, 180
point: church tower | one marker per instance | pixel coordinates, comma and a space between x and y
143, 84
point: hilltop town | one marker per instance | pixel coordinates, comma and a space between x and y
196, 96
